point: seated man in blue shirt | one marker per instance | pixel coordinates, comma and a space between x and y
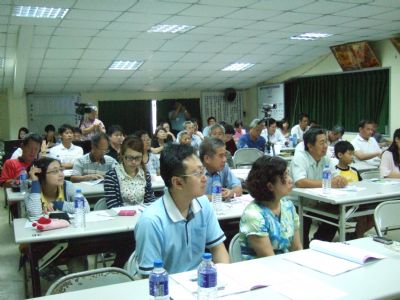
252, 139
180, 225
213, 157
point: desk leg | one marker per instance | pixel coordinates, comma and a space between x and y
301, 219
342, 223
35, 276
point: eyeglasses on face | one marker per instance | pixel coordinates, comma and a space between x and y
201, 172
133, 158
55, 171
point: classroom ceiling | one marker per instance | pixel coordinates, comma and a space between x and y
73, 54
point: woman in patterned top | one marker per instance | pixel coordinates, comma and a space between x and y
129, 183
269, 224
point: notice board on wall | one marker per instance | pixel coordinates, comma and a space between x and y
269, 95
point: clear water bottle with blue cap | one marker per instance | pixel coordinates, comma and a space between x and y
23, 181
326, 178
207, 279
216, 195
79, 205
158, 282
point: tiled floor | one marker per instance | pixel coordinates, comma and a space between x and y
11, 280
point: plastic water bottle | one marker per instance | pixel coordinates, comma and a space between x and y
79, 205
216, 195
158, 282
207, 279
326, 179
294, 138
23, 181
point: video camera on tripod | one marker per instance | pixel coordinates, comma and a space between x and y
83, 108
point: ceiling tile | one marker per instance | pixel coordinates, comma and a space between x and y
210, 47
56, 72
119, 5
100, 54
61, 63
173, 45
159, 7
107, 43
140, 44
207, 10
363, 11
324, 7
393, 15
73, 32
64, 53
87, 73
92, 15
330, 20
146, 18
69, 42
196, 57
166, 56
84, 24
253, 14
280, 4
230, 23
126, 26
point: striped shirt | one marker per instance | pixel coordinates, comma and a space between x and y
120, 188
84, 165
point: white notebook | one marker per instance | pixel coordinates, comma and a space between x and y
332, 258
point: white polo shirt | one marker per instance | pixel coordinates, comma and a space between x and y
298, 132
367, 146
66, 155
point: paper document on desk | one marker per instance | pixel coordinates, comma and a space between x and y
229, 282
97, 216
330, 193
93, 182
332, 258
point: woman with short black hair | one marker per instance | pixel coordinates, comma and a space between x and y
269, 224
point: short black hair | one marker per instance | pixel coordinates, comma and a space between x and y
362, 123
343, 147
141, 132
209, 147
229, 129
303, 115
63, 128
270, 122
98, 137
76, 129
171, 161
113, 129
50, 127
32, 137
238, 123
265, 170
43, 164
310, 136
211, 118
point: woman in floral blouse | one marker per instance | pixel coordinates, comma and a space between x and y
269, 225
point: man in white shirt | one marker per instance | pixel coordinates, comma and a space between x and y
301, 128
270, 134
66, 152
366, 148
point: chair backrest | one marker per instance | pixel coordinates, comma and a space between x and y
89, 279
132, 266
387, 221
235, 254
246, 156
370, 175
101, 204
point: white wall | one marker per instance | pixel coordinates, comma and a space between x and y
327, 64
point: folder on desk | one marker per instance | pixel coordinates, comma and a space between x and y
332, 258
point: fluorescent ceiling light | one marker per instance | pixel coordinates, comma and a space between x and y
125, 65
238, 67
164, 28
310, 36
39, 12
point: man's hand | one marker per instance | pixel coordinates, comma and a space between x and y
339, 182
226, 194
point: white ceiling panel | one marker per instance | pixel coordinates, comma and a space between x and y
92, 15
100, 54
69, 42
107, 43
93, 34
159, 7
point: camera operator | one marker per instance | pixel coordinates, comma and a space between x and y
91, 125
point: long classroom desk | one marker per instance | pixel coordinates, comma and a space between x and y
97, 237
347, 201
374, 280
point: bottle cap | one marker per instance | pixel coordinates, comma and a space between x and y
78, 190
207, 256
158, 263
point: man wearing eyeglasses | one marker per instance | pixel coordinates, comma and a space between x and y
213, 157
180, 225
95, 164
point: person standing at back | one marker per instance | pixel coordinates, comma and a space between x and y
91, 125
178, 116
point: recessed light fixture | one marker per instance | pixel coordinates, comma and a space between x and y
39, 12
310, 36
125, 65
164, 28
238, 67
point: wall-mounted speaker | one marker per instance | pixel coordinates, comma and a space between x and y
230, 94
